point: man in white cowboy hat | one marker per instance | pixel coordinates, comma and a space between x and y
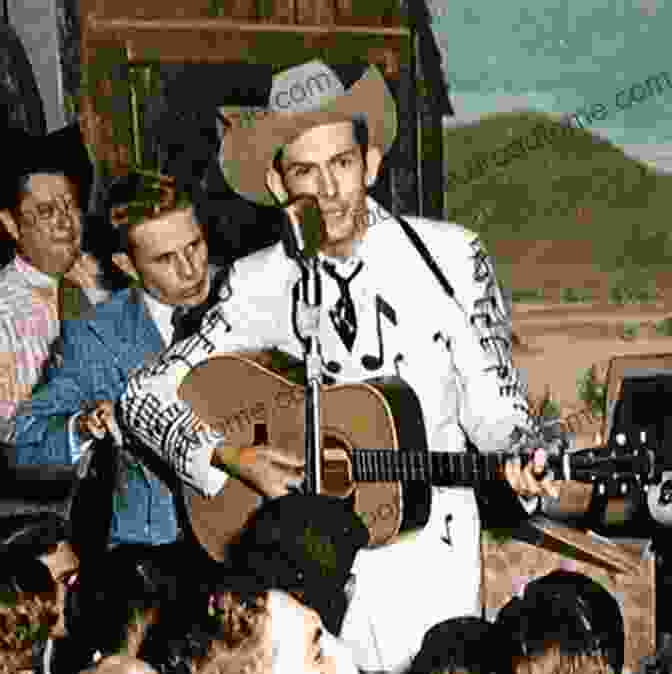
323, 132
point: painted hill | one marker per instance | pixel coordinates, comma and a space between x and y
545, 197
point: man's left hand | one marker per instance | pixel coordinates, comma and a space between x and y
530, 481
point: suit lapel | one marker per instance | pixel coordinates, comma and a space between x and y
130, 334
144, 337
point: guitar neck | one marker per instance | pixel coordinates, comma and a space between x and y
444, 469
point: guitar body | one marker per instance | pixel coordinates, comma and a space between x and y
254, 405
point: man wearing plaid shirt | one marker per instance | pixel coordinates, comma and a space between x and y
323, 131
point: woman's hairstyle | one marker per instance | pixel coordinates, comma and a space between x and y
568, 613
115, 603
225, 633
465, 644
554, 660
27, 614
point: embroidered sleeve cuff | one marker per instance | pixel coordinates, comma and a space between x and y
216, 479
205, 477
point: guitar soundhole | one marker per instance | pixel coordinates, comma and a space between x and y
260, 434
335, 464
334, 442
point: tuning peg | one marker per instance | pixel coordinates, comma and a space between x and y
624, 488
601, 489
621, 439
642, 437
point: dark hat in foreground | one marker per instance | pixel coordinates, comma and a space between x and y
300, 539
61, 151
300, 543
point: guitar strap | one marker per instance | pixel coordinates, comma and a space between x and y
426, 256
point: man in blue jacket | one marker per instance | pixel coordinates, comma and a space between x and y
164, 252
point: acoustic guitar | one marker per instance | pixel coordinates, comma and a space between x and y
374, 448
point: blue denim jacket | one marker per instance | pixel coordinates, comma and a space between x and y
144, 513
99, 352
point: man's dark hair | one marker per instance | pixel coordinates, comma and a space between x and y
360, 130
567, 610
137, 197
465, 644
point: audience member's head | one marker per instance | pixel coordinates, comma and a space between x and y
304, 545
256, 632
121, 583
566, 623
158, 241
46, 186
465, 645
31, 611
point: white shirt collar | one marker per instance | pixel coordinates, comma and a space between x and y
161, 315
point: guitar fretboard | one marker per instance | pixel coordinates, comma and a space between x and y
438, 468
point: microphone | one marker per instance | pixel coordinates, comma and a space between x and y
305, 238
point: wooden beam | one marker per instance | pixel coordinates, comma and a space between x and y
222, 41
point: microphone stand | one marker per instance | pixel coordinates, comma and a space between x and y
309, 322
304, 244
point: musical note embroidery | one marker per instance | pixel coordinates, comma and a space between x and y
369, 361
446, 537
491, 317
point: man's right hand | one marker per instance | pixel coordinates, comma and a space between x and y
268, 470
100, 421
84, 272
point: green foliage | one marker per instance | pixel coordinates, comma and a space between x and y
527, 295
538, 194
664, 327
570, 295
550, 409
632, 285
631, 329
592, 392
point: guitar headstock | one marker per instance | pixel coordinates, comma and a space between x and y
626, 464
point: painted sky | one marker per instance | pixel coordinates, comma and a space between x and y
559, 57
